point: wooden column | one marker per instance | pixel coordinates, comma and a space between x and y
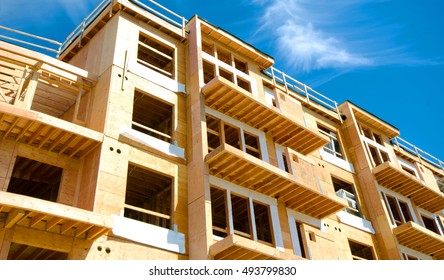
199, 200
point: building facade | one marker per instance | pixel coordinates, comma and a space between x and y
154, 137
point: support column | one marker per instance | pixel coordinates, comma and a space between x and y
199, 200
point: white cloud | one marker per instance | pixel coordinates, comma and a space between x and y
308, 49
313, 34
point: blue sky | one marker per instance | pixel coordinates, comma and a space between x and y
386, 56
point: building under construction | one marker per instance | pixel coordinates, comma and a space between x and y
149, 136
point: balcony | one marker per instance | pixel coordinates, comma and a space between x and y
418, 238
45, 103
409, 186
236, 102
25, 211
231, 164
235, 247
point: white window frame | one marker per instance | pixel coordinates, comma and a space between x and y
251, 195
243, 127
408, 251
293, 218
383, 192
341, 154
372, 142
236, 73
438, 221
408, 166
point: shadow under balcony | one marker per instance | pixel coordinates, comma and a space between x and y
420, 239
240, 168
409, 186
236, 102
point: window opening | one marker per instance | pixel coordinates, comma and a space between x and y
155, 55
232, 136
213, 133
270, 97
208, 48
252, 145
347, 191
399, 210
333, 147
224, 56
225, 74
218, 212
285, 159
152, 116
208, 71
263, 223
430, 224
360, 251
35, 179
244, 84
218, 130
240, 65
241, 216
148, 197
300, 232
242, 213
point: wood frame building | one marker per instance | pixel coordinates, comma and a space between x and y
153, 138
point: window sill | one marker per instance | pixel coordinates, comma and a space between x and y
355, 222
155, 77
337, 161
149, 234
147, 140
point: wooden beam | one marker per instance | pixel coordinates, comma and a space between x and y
67, 226
14, 216
96, 232
36, 219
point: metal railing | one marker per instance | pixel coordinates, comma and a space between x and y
412, 149
161, 13
302, 89
78, 31
38, 39
156, 9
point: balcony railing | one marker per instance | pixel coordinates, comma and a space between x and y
412, 149
53, 46
297, 89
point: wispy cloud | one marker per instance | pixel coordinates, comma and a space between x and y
311, 35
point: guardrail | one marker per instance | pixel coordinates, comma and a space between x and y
156, 9
37, 38
412, 149
181, 23
302, 89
